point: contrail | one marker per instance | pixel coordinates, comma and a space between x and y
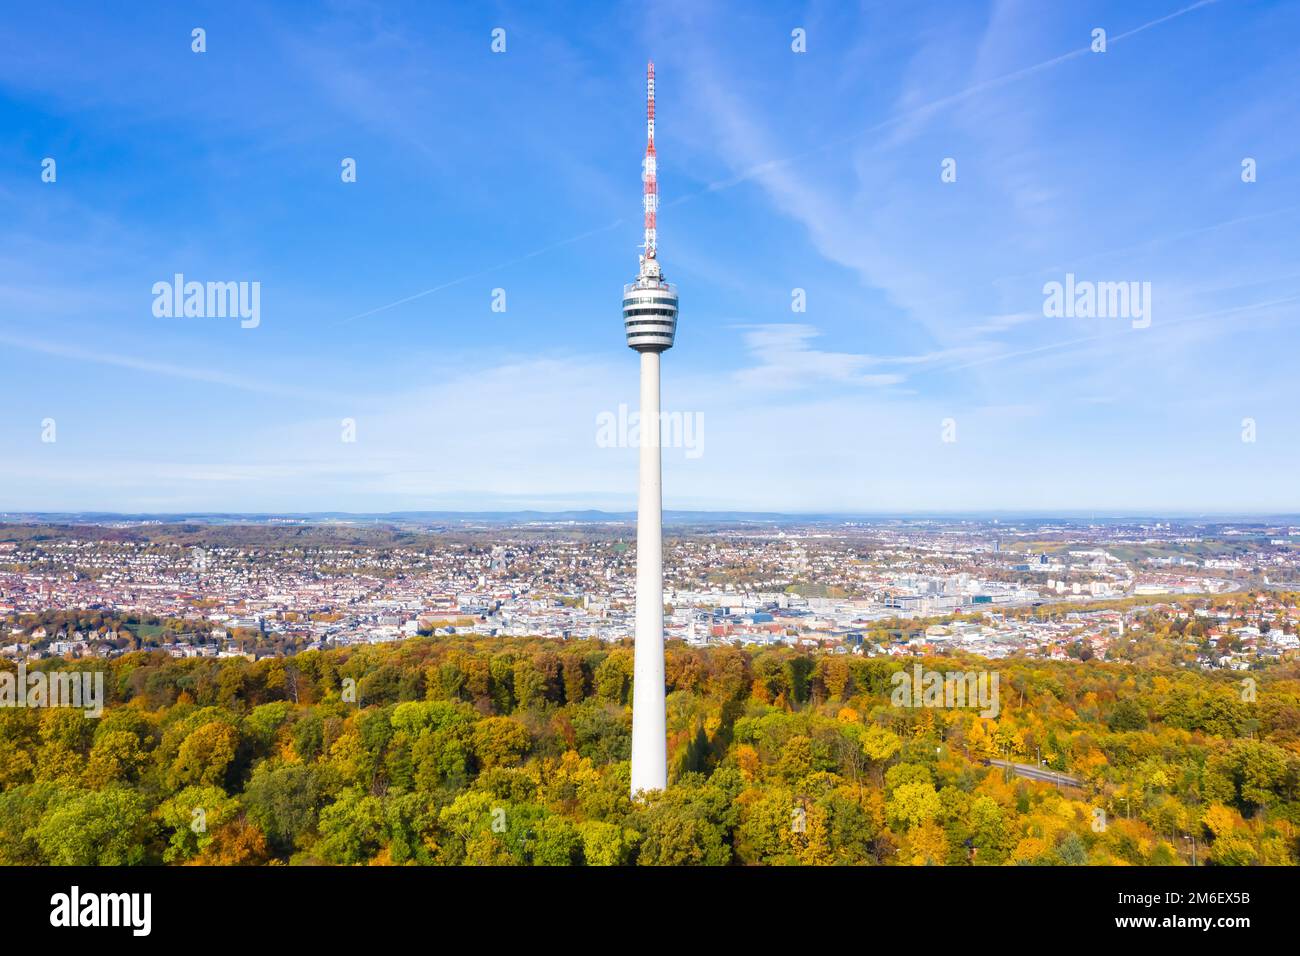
1053, 346
769, 164
1154, 240
211, 376
930, 107
482, 272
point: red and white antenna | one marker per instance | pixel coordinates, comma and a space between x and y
648, 174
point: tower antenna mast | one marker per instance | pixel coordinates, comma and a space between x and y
649, 172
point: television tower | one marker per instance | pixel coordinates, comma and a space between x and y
650, 321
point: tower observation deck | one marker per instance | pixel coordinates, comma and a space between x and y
650, 313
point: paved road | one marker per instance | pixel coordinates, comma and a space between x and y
1031, 772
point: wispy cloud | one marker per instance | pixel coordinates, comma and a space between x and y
785, 360
189, 373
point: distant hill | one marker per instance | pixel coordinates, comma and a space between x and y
593, 516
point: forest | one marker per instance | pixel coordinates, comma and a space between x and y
463, 750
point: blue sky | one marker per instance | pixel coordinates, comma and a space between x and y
778, 171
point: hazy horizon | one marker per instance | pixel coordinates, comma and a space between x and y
1044, 514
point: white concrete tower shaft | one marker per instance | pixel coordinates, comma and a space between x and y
649, 730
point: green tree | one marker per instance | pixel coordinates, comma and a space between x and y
205, 755
912, 804
283, 802
607, 844
96, 828
351, 828
192, 816
115, 758
498, 741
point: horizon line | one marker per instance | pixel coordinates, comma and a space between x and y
1040, 513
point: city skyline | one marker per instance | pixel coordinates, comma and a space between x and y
476, 171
